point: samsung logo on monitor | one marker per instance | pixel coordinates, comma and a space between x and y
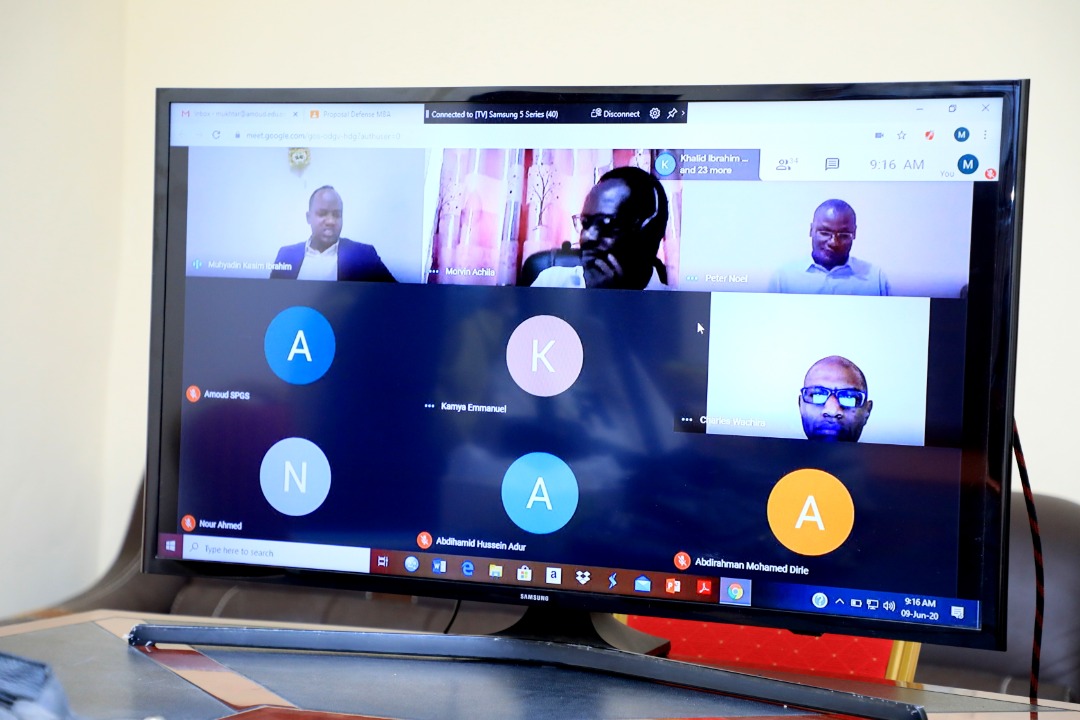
539, 598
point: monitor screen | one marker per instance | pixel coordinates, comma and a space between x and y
740, 354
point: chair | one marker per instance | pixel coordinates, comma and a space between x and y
1007, 672
775, 649
536, 263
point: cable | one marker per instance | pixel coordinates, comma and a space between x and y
1040, 590
457, 606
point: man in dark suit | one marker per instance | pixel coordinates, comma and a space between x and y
326, 255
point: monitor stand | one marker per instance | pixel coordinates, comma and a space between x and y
575, 627
579, 642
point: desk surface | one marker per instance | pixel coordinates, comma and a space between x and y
107, 679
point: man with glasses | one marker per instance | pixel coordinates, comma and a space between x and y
622, 222
833, 401
831, 269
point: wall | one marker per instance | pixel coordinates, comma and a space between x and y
61, 101
74, 421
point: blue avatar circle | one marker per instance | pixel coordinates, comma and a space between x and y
967, 164
299, 345
540, 493
664, 164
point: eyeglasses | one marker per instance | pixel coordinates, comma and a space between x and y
828, 235
602, 222
849, 398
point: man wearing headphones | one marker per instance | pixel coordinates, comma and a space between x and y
622, 222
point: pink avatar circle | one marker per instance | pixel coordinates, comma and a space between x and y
544, 355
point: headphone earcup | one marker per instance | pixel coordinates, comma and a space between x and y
647, 222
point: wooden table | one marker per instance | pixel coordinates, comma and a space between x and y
107, 679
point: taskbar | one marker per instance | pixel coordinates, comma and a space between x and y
530, 574
536, 576
872, 605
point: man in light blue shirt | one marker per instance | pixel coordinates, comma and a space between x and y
831, 269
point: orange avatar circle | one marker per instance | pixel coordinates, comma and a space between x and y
193, 393
682, 560
424, 540
811, 512
188, 523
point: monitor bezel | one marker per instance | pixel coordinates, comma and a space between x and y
986, 449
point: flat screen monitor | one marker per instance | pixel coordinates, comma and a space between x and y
741, 354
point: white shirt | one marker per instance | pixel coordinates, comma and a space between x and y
574, 277
318, 265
